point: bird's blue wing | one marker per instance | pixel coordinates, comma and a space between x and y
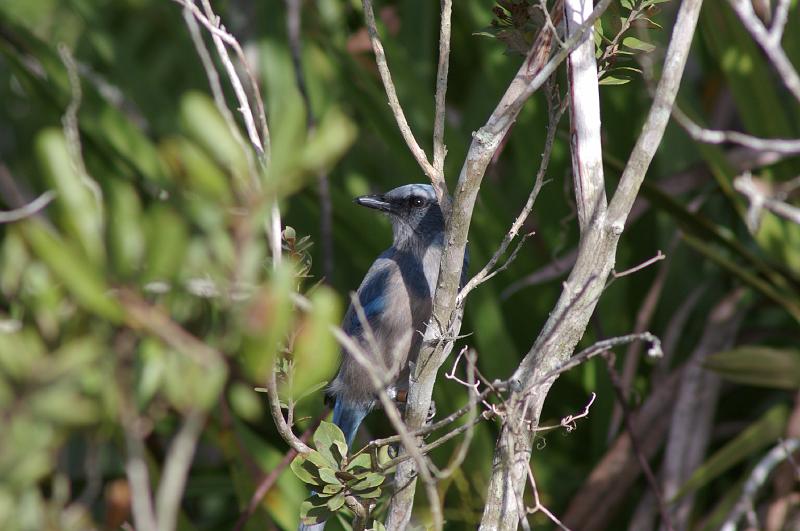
372, 297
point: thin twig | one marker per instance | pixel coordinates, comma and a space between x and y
556, 111
785, 146
191, 17
602, 347
270, 479
635, 446
439, 148
35, 206
396, 419
394, 103
647, 263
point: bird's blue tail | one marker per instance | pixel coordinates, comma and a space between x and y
348, 417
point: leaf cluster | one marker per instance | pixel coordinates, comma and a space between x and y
334, 477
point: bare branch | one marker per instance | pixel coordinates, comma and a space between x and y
769, 43
658, 117
284, 429
647, 263
757, 194
779, 20
556, 111
535, 70
144, 515
394, 103
18, 214
779, 453
439, 148
785, 146
585, 284
584, 97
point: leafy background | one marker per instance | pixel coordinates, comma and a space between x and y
170, 178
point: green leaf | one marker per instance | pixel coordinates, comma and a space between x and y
198, 172
328, 475
314, 510
359, 463
330, 443
266, 321
330, 489
377, 526
609, 80
369, 494
79, 209
336, 502
126, 239
64, 404
307, 467
76, 274
203, 123
167, 241
315, 348
370, 482
635, 44
758, 435
759, 366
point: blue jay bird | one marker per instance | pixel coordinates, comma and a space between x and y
396, 296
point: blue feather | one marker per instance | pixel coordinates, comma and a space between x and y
349, 417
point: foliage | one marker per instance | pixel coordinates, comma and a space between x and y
334, 476
156, 229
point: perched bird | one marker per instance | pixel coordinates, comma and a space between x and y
396, 296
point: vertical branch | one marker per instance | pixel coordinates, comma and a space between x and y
584, 93
176, 468
439, 148
139, 478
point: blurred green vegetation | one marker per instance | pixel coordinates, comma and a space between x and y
174, 222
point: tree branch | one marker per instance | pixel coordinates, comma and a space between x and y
394, 103
535, 70
582, 290
587, 150
770, 43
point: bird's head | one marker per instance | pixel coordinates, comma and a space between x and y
413, 210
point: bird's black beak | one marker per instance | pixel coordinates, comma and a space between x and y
378, 202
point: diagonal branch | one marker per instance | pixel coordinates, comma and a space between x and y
394, 103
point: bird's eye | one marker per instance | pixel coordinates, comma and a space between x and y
416, 201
